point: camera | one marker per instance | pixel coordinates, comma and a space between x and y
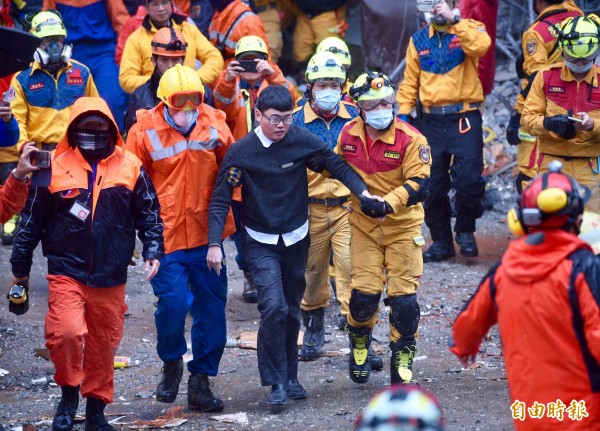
41, 158
247, 65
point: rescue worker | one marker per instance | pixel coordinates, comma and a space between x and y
394, 159
98, 196
13, 192
324, 115
232, 21
315, 21
277, 237
235, 94
338, 47
441, 72
539, 48
46, 90
136, 63
544, 296
180, 137
268, 12
168, 49
92, 28
548, 112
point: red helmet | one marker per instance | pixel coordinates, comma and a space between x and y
168, 42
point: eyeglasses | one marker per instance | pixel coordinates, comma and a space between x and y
180, 100
276, 120
157, 4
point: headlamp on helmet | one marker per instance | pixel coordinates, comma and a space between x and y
169, 42
372, 86
181, 88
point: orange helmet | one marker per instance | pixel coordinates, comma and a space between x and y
168, 42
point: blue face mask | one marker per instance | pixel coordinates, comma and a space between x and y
380, 119
327, 99
575, 68
183, 124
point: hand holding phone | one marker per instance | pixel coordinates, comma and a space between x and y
41, 159
247, 65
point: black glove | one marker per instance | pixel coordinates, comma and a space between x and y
561, 125
512, 130
374, 208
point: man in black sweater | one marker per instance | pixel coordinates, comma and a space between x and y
271, 162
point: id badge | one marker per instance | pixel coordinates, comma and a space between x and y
80, 211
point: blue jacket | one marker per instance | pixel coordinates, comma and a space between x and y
9, 133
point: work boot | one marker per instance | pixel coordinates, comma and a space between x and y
401, 362
375, 361
65, 412
439, 251
9, 230
314, 336
358, 364
250, 294
200, 397
468, 245
94, 416
277, 398
294, 390
167, 389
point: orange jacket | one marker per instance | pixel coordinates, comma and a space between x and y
238, 103
182, 170
12, 197
545, 297
249, 25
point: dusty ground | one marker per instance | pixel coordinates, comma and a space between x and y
474, 399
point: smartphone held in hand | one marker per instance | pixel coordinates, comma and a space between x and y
41, 158
247, 65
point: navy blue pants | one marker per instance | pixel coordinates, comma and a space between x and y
456, 160
278, 273
180, 273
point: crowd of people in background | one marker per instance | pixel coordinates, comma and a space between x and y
182, 120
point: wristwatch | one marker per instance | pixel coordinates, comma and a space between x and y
456, 19
23, 180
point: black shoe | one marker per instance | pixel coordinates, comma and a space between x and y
64, 417
314, 336
200, 397
439, 251
94, 416
359, 366
468, 245
295, 391
277, 399
375, 361
250, 295
168, 388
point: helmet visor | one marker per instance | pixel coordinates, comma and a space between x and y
369, 105
180, 100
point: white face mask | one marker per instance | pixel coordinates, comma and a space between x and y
575, 68
379, 119
327, 99
182, 121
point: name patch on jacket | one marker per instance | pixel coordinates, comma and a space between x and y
556, 89
391, 154
36, 86
454, 43
349, 148
423, 52
74, 77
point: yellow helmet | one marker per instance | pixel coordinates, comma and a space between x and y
325, 65
180, 87
338, 47
372, 86
47, 23
579, 37
251, 45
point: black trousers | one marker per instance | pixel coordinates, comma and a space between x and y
278, 273
457, 160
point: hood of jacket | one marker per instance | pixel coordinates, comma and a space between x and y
85, 105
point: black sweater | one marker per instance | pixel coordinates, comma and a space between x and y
275, 185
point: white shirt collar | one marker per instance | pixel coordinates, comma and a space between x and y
263, 139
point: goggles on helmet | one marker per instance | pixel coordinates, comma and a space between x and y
180, 100
369, 105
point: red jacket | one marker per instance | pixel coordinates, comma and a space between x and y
545, 297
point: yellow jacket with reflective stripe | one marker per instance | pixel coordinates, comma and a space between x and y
43, 102
400, 155
182, 170
136, 63
538, 42
441, 69
554, 92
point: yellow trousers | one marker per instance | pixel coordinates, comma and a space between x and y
527, 155
329, 229
272, 22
